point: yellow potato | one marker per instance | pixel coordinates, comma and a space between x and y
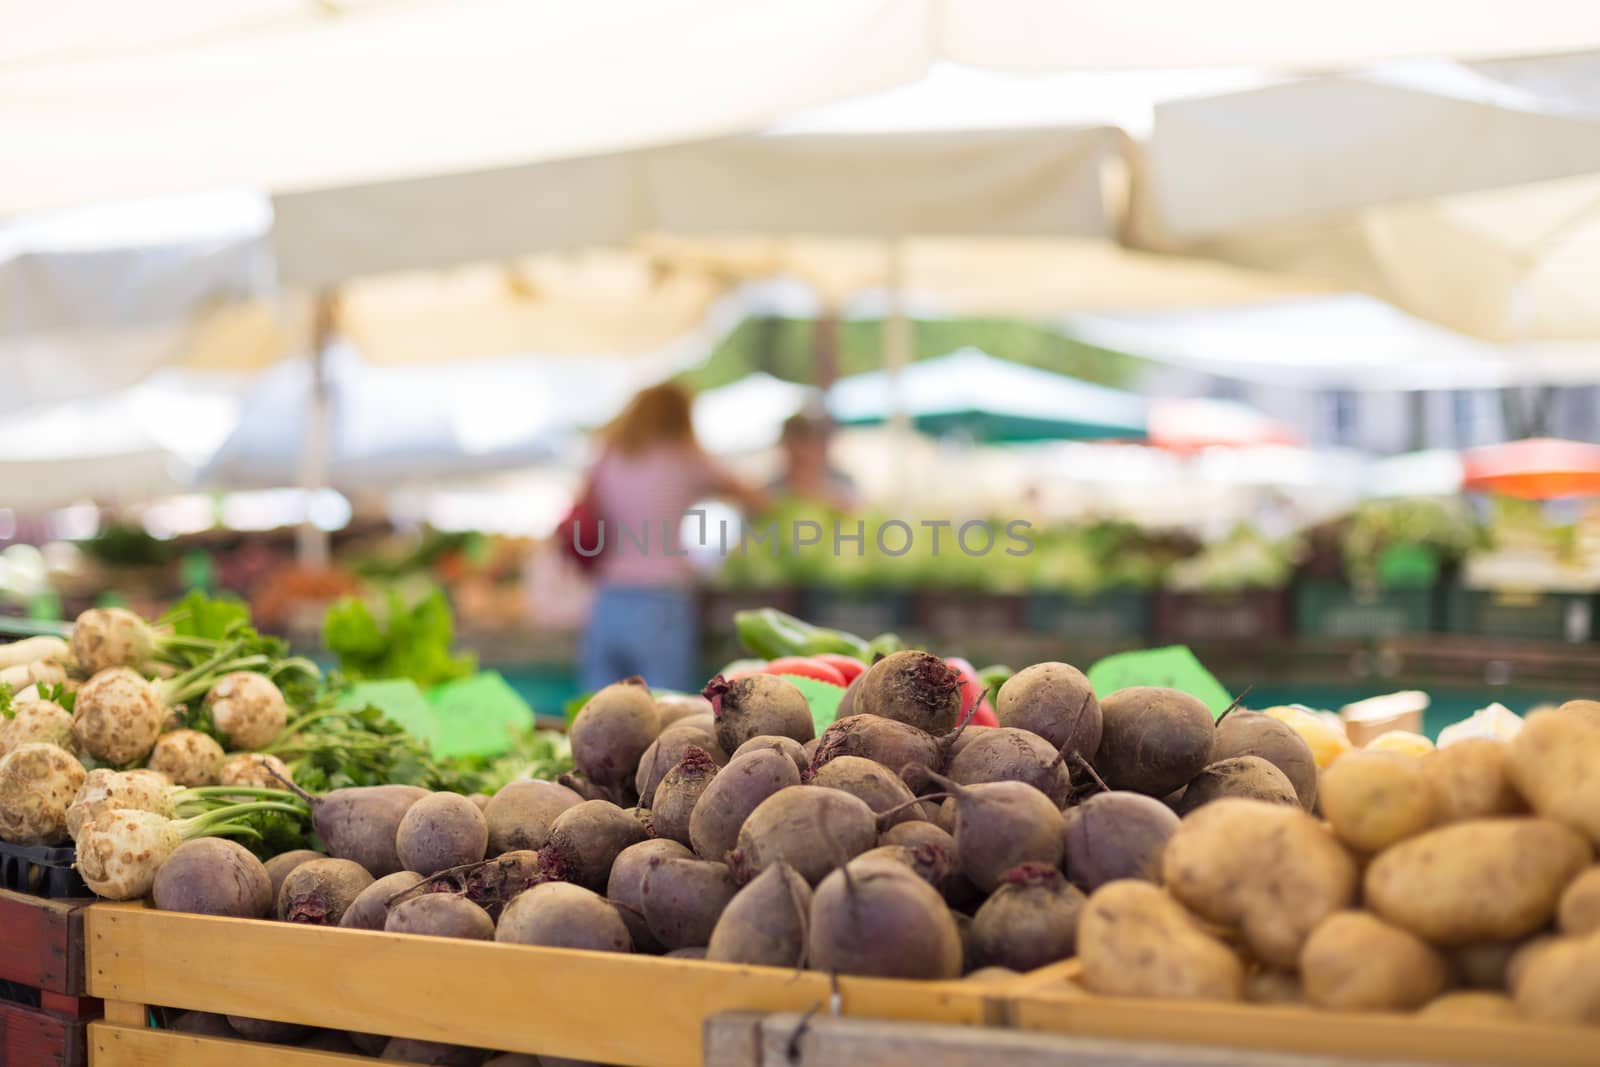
1327, 743
1578, 912
1354, 961
1561, 984
1473, 1005
1136, 941
1524, 956
1404, 742
1555, 763
1587, 709
1471, 782
1270, 870
1375, 799
1483, 880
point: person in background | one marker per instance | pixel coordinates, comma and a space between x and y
807, 474
651, 470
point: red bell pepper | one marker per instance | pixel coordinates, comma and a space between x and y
806, 667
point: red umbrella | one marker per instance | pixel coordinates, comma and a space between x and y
1539, 468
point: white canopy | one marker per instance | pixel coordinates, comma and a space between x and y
1338, 342
293, 95
748, 414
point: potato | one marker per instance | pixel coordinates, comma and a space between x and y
1470, 780
1404, 742
1471, 1006
1553, 764
1561, 984
1354, 961
1524, 956
1270, 870
1326, 742
1135, 941
1578, 911
1375, 799
1482, 880
1588, 709
1482, 964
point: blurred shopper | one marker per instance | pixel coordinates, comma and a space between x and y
651, 470
807, 473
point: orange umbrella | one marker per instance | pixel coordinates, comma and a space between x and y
1539, 468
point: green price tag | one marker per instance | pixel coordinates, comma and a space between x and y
399, 699
1174, 667
478, 716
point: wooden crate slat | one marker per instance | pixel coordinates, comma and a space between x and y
555, 1001
123, 1046
32, 1038
791, 1040
1371, 1035
43, 944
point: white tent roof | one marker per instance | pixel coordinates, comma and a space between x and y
748, 414
1337, 342
294, 95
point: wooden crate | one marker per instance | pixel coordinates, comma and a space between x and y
510, 998
1051, 1000
41, 952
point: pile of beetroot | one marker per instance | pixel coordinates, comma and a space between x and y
900, 843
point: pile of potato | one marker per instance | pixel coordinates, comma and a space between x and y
1458, 882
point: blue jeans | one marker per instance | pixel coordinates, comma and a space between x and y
652, 632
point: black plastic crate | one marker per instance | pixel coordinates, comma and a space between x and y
41, 871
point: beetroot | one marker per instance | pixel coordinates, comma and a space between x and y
612, 731
666, 751
765, 923
414, 1050
925, 838
269, 1031
1000, 825
683, 899
360, 823
877, 785
675, 707
787, 745
585, 841
279, 866
733, 794
1116, 835
1054, 701
562, 915
959, 742
440, 915
877, 918
916, 688
319, 892
1250, 733
370, 909
758, 705
1011, 755
439, 831
1031, 920
520, 814
214, 876
1239, 776
494, 883
885, 741
678, 793
1153, 740
810, 828
624, 887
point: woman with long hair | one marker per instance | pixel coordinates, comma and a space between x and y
650, 471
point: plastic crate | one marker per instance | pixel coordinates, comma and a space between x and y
947, 612
864, 612
1533, 616
1217, 618
1115, 615
1333, 609
41, 871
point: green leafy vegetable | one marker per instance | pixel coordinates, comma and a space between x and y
409, 643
